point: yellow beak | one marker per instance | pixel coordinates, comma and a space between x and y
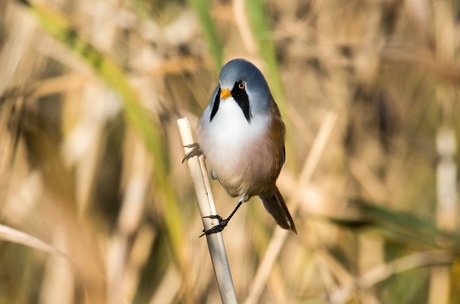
225, 93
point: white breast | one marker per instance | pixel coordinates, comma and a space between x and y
227, 139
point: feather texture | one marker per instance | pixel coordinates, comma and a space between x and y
242, 136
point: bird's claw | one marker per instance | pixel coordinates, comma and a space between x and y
196, 151
217, 228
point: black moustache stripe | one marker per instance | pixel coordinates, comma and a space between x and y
242, 99
215, 106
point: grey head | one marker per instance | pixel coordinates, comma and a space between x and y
254, 98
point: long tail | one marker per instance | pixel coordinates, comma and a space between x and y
276, 206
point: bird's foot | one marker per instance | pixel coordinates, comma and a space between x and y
222, 222
217, 228
196, 151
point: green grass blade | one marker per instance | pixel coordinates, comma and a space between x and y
202, 9
135, 114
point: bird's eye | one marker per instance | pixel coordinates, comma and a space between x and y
241, 85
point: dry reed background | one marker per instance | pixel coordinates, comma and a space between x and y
96, 206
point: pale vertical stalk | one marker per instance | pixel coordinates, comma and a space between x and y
58, 272
242, 23
446, 179
446, 210
280, 235
206, 205
446, 174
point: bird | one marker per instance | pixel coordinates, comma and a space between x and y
241, 134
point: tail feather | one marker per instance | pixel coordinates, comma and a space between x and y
276, 206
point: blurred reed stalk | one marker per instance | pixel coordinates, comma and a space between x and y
207, 207
446, 47
279, 237
90, 153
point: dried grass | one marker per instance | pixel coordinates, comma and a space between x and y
96, 206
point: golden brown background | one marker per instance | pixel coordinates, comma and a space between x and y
96, 207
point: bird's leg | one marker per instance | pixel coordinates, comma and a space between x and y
196, 151
222, 222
